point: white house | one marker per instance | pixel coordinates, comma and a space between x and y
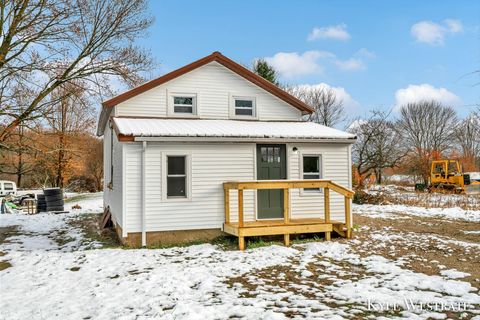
171, 144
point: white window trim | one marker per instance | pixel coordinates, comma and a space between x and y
188, 172
171, 107
321, 156
232, 114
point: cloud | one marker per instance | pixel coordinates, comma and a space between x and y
434, 33
348, 102
454, 26
416, 93
293, 64
365, 53
351, 64
338, 32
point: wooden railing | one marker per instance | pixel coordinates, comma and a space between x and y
286, 185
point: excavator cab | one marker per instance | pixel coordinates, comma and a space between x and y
446, 176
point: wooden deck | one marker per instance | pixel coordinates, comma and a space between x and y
287, 225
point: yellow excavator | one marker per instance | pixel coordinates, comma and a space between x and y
446, 176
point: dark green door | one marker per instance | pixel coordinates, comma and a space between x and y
271, 165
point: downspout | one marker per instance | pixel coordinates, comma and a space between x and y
144, 231
350, 184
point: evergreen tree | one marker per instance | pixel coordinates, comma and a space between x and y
266, 71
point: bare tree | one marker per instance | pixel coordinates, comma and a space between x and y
328, 108
377, 146
467, 137
94, 167
18, 160
71, 114
45, 44
427, 128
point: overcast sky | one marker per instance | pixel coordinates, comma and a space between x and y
376, 54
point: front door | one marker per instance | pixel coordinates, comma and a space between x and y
271, 165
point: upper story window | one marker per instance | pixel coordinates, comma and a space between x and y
183, 104
244, 107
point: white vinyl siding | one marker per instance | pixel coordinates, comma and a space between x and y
113, 197
335, 166
215, 85
211, 165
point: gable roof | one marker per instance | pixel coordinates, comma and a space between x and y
226, 62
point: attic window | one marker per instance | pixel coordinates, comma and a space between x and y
184, 104
244, 107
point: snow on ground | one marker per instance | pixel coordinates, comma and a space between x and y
407, 195
397, 202
392, 211
321, 280
47, 231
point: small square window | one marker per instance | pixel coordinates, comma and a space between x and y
184, 104
176, 176
311, 170
244, 107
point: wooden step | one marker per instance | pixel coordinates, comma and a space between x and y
106, 219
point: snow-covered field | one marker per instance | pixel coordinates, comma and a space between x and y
398, 211
58, 273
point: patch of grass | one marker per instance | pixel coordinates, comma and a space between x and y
89, 225
79, 197
7, 232
170, 245
61, 237
258, 242
74, 269
4, 265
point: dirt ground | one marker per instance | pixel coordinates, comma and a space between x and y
427, 243
424, 245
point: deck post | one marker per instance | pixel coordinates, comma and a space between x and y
226, 194
286, 214
241, 243
347, 217
240, 208
286, 205
326, 199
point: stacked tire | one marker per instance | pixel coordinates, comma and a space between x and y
54, 199
41, 203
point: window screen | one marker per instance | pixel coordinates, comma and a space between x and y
176, 176
243, 107
184, 105
311, 170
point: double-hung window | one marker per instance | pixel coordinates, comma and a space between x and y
184, 104
244, 107
312, 170
177, 176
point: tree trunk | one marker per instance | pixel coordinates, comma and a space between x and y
378, 174
61, 160
19, 170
